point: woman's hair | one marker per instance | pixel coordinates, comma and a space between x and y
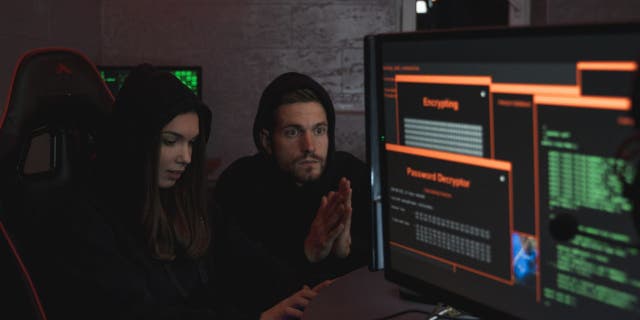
173, 221
177, 217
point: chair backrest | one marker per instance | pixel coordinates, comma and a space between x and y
56, 106
19, 293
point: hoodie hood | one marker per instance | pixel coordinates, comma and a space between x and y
150, 98
147, 101
272, 98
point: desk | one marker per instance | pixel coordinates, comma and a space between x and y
361, 294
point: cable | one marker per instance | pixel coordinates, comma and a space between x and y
435, 314
445, 312
439, 312
403, 312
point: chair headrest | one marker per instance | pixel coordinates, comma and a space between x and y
56, 103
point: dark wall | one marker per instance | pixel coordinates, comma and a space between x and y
242, 45
28, 24
584, 11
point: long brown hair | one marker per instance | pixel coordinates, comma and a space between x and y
177, 217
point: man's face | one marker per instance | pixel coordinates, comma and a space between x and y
299, 141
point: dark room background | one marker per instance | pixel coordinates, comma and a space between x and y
241, 45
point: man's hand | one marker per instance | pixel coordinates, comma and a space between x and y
322, 285
331, 228
342, 245
325, 228
291, 307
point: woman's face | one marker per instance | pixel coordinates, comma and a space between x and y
176, 143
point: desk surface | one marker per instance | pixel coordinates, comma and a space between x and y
362, 294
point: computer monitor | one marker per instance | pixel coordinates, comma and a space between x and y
498, 157
191, 76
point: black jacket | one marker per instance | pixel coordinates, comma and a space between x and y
267, 215
267, 218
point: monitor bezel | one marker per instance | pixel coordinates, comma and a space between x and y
436, 293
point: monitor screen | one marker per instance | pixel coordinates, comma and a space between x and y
501, 183
114, 76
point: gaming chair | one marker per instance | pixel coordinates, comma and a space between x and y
56, 105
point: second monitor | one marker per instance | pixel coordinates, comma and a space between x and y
501, 179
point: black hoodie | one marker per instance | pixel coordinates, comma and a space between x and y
268, 215
105, 269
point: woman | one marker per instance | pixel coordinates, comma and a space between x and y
147, 252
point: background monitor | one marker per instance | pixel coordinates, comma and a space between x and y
499, 172
191, 76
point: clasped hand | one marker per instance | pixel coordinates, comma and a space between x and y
330, 230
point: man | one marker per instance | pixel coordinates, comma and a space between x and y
297, 212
